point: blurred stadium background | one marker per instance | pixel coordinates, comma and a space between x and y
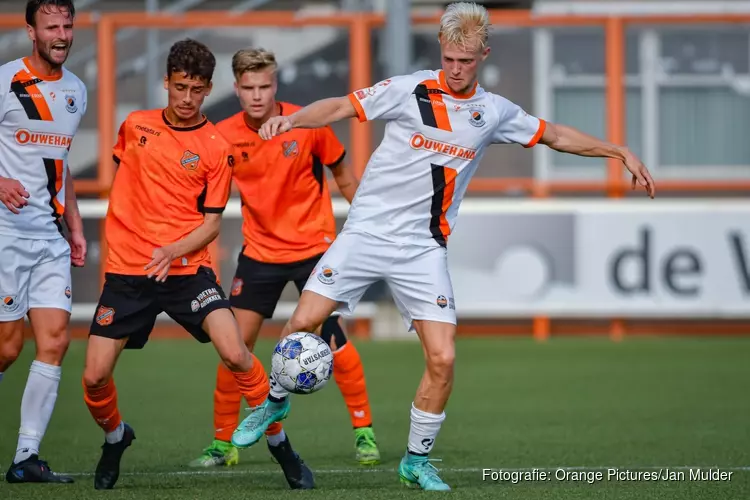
546, 243
546, 246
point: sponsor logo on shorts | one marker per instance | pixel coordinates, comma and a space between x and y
327, 275
237, 286
444, 302
204, 298
68, 293
10, 303
105, 315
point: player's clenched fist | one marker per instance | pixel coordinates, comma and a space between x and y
13, 195
274, 126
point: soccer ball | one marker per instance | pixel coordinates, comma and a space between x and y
302, 363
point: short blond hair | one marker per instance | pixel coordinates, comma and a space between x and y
252, 60
466, 25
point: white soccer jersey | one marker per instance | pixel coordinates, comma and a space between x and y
434, 140
39, 115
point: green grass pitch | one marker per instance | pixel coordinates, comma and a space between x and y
584, 403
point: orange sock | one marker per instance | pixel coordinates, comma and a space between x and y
254, 386
102, 403
227, 402
350, 377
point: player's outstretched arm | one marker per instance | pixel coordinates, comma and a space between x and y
569, 140
315, 115
199, 238
73, 220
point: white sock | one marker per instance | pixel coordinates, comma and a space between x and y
116, 435
276, 439
423, 431
36, 407
277, 391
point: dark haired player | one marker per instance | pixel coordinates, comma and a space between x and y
172, 184
41, 107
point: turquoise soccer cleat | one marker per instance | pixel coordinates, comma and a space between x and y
416, 470
254, 426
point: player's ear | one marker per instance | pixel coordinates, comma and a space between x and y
236, 89
209, 87
485, 53
166, 82
30, 32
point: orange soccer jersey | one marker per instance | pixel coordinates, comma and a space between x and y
167, 178
286, 206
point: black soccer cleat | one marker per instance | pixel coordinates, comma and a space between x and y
108, 468
298, 475
33, 470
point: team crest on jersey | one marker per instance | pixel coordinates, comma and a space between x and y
290, 148
327, 275
68, 293
190, 160
237, 286
70, 103
10, 303
476, 117
105, 316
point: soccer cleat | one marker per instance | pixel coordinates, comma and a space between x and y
218, 454
297, 473
416, 470
366, 447
108, 468
34, 470
254, 426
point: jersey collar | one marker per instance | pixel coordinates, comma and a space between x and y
445, 88
182, 129
36, 74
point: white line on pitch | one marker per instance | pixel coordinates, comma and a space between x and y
373, 470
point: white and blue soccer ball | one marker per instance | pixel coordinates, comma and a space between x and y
302, 363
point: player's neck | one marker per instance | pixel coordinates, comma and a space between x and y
256, 124
178, 122
41, 66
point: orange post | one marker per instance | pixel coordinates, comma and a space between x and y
359, 77
106, 103
541, 328
615, 95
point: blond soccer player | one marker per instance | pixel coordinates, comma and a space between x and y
438, 125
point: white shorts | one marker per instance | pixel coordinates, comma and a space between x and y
33, 274
417, 276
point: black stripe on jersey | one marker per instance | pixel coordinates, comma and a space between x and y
19, 88
436, 208
317, 171
51, 169
425, 105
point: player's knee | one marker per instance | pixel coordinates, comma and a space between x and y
94, 378
441, 362
53, 345
239, 361
9, 352
304, 322
332, 333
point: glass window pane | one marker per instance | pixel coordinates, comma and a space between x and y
704, 126
582, 53
705, 52
584, 109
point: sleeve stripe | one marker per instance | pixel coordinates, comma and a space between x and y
213, 210
358, 108
337, 162
538, 135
